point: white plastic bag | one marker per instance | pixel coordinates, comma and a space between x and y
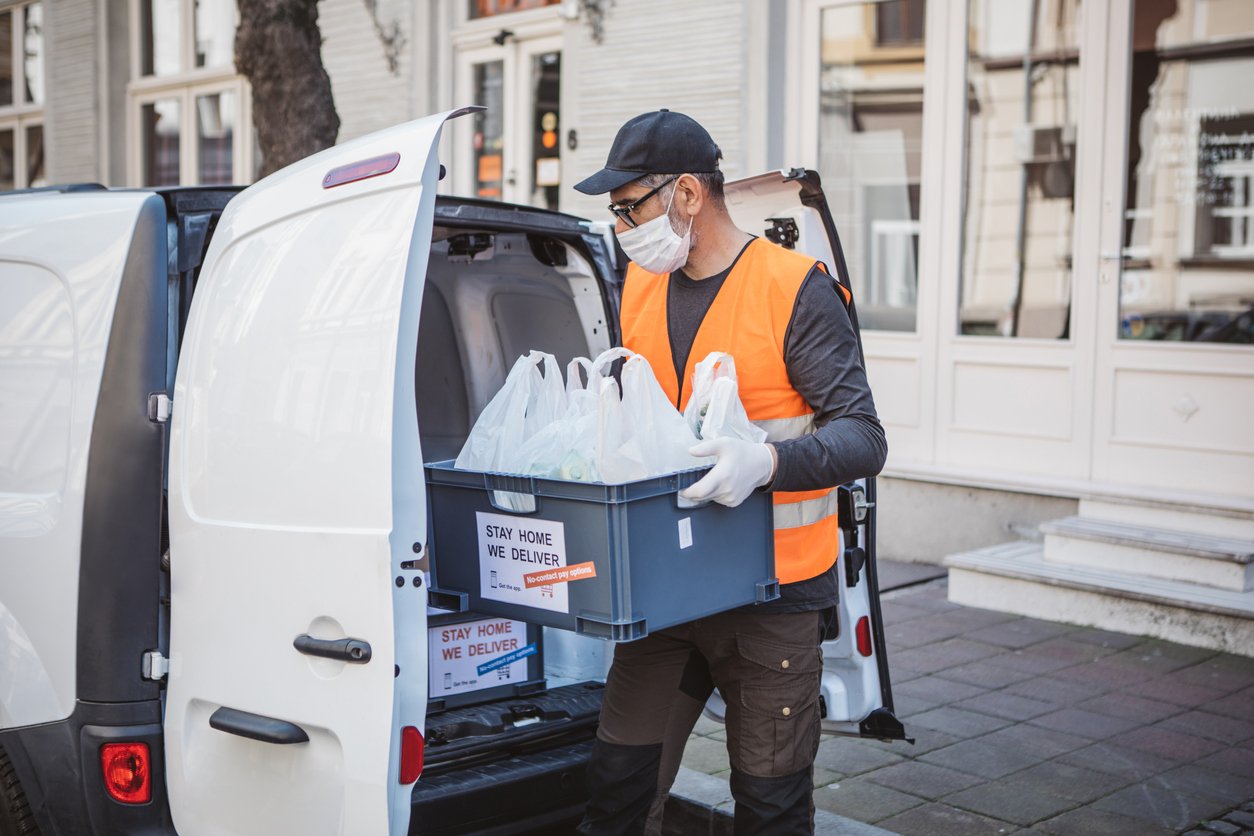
525, 404
714, 409
657, 436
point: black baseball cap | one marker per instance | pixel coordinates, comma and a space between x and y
661, 142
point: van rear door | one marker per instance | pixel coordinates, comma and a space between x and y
789, 208
297, 683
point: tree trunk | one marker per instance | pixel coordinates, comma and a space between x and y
278, 48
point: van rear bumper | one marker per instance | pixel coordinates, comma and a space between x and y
508, 796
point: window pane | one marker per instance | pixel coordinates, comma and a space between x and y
215, 33
215, 129
489, 130
160, 23
546, 164
6, 58
487, 8
8, 161
1188, 232
1022, 99
161, 143
870, 146
33, 53
35, 156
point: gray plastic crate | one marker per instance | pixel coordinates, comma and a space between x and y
638, 561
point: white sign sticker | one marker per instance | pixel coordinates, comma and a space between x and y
510, 548
685, 533
459, 651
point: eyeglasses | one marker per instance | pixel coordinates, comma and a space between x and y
624, 212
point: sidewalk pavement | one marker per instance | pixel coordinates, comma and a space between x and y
1027, 726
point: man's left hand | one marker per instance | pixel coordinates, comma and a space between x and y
742, 466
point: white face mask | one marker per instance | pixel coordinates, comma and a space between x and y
655, 245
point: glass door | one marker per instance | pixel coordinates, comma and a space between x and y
516, 142
1175, 363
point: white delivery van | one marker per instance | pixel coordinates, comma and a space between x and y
215, 406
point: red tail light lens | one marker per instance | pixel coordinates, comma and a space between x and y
411, 754
127, 770
864, 635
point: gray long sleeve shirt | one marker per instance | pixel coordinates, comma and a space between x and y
825, 367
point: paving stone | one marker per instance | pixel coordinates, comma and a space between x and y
1211, 726
1166, 689
895, 612
1107, 673
1065, 781
923, 779
932, 597
1044, 742
1151, 803
938, 819
937, 689
1119, 760
1231, 787
968, 619
1060, 691
1199, 833
1092, 822
1242, 818
1050, 655
1121, 704
906, 706
705, 726
1010, 706
853, 757
1085, 723
1104, 638
917, 633
1222, 673
1230, 759
1021, 633
957, 722
863, 800
823, 777
1166, 743
1020, 805
984, 758
1221, 827
705, 755
944, 654
984, 674
1233, 705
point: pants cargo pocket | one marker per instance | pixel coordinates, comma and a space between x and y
777, 707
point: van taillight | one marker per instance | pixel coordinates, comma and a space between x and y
864, 635
411, 754
127, 772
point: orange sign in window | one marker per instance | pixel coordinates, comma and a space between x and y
487, 8
489, 168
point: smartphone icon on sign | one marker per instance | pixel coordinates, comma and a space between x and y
492, 579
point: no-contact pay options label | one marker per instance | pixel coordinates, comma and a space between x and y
510, 548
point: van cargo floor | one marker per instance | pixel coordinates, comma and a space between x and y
510, 728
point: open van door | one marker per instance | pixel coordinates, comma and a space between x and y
297, 681
789, 208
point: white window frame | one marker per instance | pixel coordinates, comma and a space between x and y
185, 86
21, 115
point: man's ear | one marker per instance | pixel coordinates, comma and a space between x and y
689, 195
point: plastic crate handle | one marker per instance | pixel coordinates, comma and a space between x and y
511, 494
686, 479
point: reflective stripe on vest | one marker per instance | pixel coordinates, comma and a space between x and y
748, 319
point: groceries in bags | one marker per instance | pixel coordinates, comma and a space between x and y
591, 429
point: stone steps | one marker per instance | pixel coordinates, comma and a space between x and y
1015, 577
1133, 548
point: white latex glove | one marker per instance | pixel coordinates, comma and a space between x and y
741, 467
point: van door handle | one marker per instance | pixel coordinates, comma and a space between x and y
256, 726
353, 651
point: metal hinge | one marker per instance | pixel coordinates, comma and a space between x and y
155, 666
159, 407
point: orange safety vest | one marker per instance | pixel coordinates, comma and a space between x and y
748, 319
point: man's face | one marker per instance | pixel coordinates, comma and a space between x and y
646, 206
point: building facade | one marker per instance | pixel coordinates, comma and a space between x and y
1047, 205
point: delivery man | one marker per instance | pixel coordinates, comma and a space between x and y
696, 284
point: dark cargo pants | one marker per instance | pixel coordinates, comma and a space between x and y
766, 665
